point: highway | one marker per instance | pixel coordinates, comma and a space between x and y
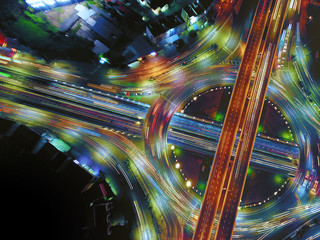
112, 119
249, 226
98, 141
231, 125
202, 137
122, 114
261, 160
247, 137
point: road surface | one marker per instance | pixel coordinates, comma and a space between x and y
231, 124
247, 137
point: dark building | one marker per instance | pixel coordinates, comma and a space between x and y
192, 13
107, 30
129, 13
139, 47
158, 3
123, 10
197, 8
166, 30
205, 4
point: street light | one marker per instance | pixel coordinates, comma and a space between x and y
104, 60
188, 184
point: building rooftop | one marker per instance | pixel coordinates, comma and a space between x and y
206, 3
128, 12
142, 46
190, 11
99, 47
84, 12
171, 21
105, 28
69, 22
138, 48
165, 24
197, 8
158, 3
156, 28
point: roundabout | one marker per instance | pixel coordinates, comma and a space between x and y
160, 120
156, 133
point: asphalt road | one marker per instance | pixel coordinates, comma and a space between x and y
127, 116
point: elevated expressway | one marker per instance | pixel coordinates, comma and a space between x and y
248, 134
222, 157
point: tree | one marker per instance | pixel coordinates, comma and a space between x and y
10, 11
193, 34
18, 21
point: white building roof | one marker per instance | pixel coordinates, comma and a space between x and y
84, 12
91, 21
